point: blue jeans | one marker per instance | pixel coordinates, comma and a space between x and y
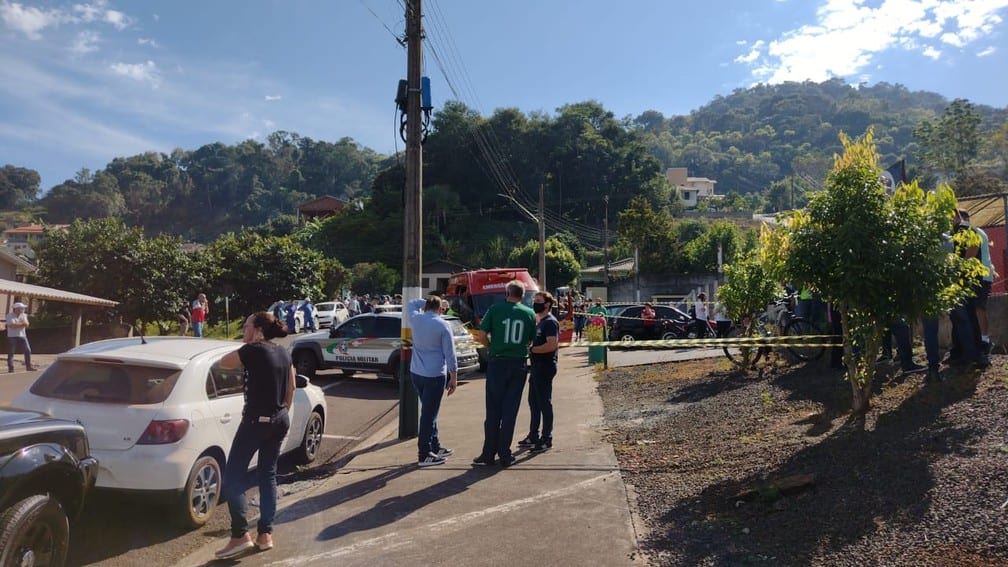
540, 399
430, 391
931, 342
253, 436
964, 336
12, 344
197, 328
505, 380
901, 332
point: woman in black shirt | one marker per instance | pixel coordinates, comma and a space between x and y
269, 392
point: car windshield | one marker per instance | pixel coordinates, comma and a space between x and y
483, 301
458, 329
325, 306
99, 382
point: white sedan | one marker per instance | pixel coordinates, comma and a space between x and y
330, 313
160, 414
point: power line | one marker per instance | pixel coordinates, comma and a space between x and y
399, 39
494, 163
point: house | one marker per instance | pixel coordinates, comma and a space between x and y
434, 275
691, 190
22, 239
323, 207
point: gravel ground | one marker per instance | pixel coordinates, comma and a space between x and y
769, 468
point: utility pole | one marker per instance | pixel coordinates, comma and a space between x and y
542, 241
409, 412
636, 269
605, 248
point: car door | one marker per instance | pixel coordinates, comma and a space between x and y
224, 389
352, 345
628, 322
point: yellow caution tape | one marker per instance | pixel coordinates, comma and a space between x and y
786, 341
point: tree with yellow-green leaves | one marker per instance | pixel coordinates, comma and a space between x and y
876, 258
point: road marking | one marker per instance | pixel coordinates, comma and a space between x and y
403, 538
343, 437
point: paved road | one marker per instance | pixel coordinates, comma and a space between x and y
117, 530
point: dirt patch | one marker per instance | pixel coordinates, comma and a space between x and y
769, 469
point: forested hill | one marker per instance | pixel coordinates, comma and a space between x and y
589, 162
753, 137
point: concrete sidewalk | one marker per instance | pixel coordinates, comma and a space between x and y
566, 506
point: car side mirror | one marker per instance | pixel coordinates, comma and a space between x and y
333, 333
301, 381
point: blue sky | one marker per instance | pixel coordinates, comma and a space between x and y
84, 82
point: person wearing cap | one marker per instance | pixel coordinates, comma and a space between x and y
17, 334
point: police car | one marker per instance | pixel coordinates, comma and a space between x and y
370, 342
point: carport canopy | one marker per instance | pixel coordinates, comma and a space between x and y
28, 291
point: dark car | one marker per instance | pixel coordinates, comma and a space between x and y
628, 325
46, 472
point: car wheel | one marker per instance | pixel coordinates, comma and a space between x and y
627, 338
396, 373
669, 336
34, 531
312, 438
305, 363
202, 492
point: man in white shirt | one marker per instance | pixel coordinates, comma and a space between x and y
17, 334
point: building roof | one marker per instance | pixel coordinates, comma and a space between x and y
18, 261
325, 203
39, 292
34, 228
986, 210
626, 265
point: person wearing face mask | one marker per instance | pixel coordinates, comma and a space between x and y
543, 355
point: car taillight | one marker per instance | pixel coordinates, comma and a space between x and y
163, 432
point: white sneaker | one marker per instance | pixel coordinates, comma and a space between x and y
431, 460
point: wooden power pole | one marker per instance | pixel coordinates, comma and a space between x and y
409, 412
542, 241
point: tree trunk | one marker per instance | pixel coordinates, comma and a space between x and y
860, 365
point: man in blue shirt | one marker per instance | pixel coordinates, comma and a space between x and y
433, 358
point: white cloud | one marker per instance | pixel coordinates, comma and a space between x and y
85, 42
848, 35
989, 51
270, 98
147, 41
29, 20
753, 54
98, 11
142, 72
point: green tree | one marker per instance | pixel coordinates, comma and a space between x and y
253, 271
951, 142
150, 278
19, 187
702, 252
651, 232
876, 258
374, 278
748, 288
562, 267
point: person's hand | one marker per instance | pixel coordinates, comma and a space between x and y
452, 385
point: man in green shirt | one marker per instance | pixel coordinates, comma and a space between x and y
511, 326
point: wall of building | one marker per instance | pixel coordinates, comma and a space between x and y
652, 285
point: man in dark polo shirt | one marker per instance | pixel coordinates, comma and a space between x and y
506, 330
